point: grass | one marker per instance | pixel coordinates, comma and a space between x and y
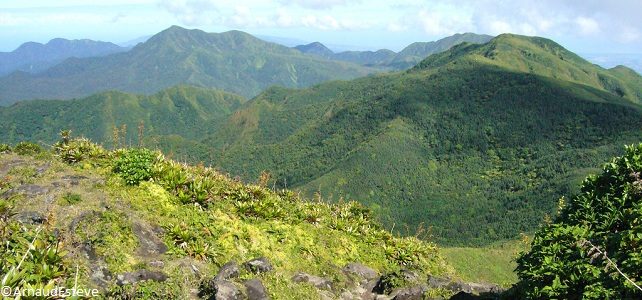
494, 263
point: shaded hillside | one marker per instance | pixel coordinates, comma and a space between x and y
34, 57
233, 61
475, 148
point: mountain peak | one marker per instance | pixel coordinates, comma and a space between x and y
316, 48
539, 56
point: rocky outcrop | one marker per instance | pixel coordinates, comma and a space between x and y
140, 275
258, 265
228, 271
316, 281
255, 290
460, 287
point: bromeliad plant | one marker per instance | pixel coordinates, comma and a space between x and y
32, 258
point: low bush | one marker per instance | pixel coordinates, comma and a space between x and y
135, 165
27, 148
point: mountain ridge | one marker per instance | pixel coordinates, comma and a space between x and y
233, 61
388, 59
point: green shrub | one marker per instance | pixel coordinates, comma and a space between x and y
77, 150
4, 148
27, 148
575, 257
135, 165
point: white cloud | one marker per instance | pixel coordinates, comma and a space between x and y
396, 27
587, 26
191, 12
499, 27
11, 20
317, 4
628, 35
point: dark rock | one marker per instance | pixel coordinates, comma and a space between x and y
28, 189
157, 264
100, 276
384, 283
258, 265
360, 271
410, 293
409, 276
464, 296
318, 282
438, 282
59, 184
42, 169
372, 284
465, 287
227, 271
224, 290
74, 179
149, 243
140, 275
30, 217
256, 290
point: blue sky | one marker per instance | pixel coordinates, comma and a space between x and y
587, 26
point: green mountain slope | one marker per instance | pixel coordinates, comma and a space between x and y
184, 111
542, 57
233, 61
475, 148
416, 52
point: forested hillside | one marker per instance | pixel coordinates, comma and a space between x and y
476, 143
183, 111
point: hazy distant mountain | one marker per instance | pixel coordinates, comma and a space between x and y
611, 60
34, 57
385, 58
134, 42
316, 48
233, 61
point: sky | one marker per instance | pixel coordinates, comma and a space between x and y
585, 26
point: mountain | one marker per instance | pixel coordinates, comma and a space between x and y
612, 60
476, 143
233, 61
316, 48
388, 59
34, 57
416, 52
367, 58
181, 111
